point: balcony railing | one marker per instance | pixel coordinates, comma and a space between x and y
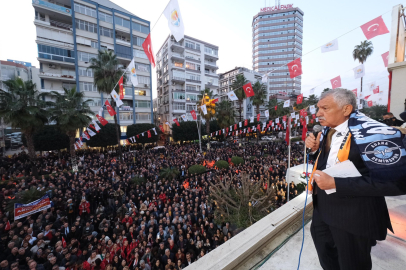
179, 55
57, 75
53, 6
210, 63
56, 57
178, 78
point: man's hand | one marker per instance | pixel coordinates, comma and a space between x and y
323, 180
312, 142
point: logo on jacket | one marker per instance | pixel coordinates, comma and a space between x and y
383, 152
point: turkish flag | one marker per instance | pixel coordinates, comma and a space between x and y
270, 122
8, 226
226, 130
258, 117
259, 127
147, 45
220, 132
249, 130
367, 97
284, 118
161, 128
248, 90
276, 107
303, 112
295, 68
336, 82
214, 100
121, 84
374, 28
299, 99
370, 103
376, 90
304, 131
235, 126
63, 242
149, 133
314, 116
138, 136
193, 113
355, 91
287, 140
245, 122
112, 112
385, 58
176, 121
311, 121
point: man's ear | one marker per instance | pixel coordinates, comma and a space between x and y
348, 109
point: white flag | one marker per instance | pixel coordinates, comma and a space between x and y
264, 78
217, 132
277, 120
371, 86
155, 131
96, 126
223, 131
312, 109
79, 142
267, 113
76, 147
101, 111
231, 95
184, 117
286, 103
231, 128
317, 119
240, 124
263, 125
204, 109
307, 119
116, 98
330, 46
312, 91
252, 119
91, 133
236, 133
167, 123
175, 20
133, 73
359, 71
273, 124
297, 116
292, 115
359, 106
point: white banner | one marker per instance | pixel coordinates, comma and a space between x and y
175, 20
359, 71
231, 95
330, 46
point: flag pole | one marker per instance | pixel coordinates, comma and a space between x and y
289, 147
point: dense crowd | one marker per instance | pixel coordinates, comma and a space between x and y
101, 219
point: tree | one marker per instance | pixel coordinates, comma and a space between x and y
362, 52
21, 107
237, 85
280, 111
225, 114
135, 129
325, 90
70, 112
186, 131
107, 71
196, 169
375, 112
259, 98
105, 137
50, 138
204, 98
169, 173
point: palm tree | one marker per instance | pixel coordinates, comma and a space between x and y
237, 85
70, 112
107, 71
225, 114
169, 173
362, 52
203, 98
259, 98
21, 107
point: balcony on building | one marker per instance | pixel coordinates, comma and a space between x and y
63, 7
178, 57
177, 46
210, 64
211, 54
178, 65
211, 82
63, 75
178, 76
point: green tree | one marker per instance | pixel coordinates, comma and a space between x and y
325, 90
21, 107
203, 98
259, 98
237, 85
135, 129
107, 71
186, 131
169, 173
225, 114
362, 52
197, 169
375, 112
70, 112
50, 138
105, 137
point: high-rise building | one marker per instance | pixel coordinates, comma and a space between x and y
277, 34
70, 33
183, 69
227, 79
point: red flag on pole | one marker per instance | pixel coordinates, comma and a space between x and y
8, 226
193, 113
370, 103
374, 28
367, 97
138, 136
161, 128
214, 100
226, 130
299, 99
259, 127
304, 131
147, 45
248, 90
276, 107
235, 126
176, 122
101, 120
121, 84
258, 117
284, 118
313, 116
385, 58
149, 133
287, 138
110, 109
245, 122
220, 132
63, 242
295, 68
336, 82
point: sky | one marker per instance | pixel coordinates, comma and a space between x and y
227, 24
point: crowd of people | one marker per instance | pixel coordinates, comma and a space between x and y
120, 214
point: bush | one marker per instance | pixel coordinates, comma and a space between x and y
253, 158
197, 169
300, 187
265, 155
222, 164
237, 160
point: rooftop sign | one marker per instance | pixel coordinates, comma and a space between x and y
274, 8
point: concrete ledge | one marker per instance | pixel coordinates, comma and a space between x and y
252, 245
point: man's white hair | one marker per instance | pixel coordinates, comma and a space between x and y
342, 97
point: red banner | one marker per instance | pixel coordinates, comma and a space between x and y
258, 117
295, 68
147, 46
176, 121
193, 113
161, 128
374, 28
24, 210
121, 85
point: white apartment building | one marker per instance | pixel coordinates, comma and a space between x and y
70, 33
183, 69
11, 69
227, 79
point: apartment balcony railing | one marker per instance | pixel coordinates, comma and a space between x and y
52, 6
178, 55
56, 57
178, 78
63, 76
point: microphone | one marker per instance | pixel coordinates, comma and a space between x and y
316, 130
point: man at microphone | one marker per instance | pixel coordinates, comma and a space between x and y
347, 222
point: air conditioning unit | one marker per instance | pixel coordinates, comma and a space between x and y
51, 66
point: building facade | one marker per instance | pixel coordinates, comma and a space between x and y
227, 79
11, 69
277, 34
70, 33
183, 70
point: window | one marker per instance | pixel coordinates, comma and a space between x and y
94, 44
143, 80
191, 66
125, 116
68, 86
193, 77
178, 74
189, 44
96, 102
179, 96
85, 57
178, 106
192, 87
121, 22
210, 51
140, 28
191, 107
140, 92
123, 51
86, 26
55, 53
191, 97
85, 72
142, 67
85, 10
106, 32
142, 104
42, 84
105, 17
138, 40
139, 54
87, 86
143, 116
178, 64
